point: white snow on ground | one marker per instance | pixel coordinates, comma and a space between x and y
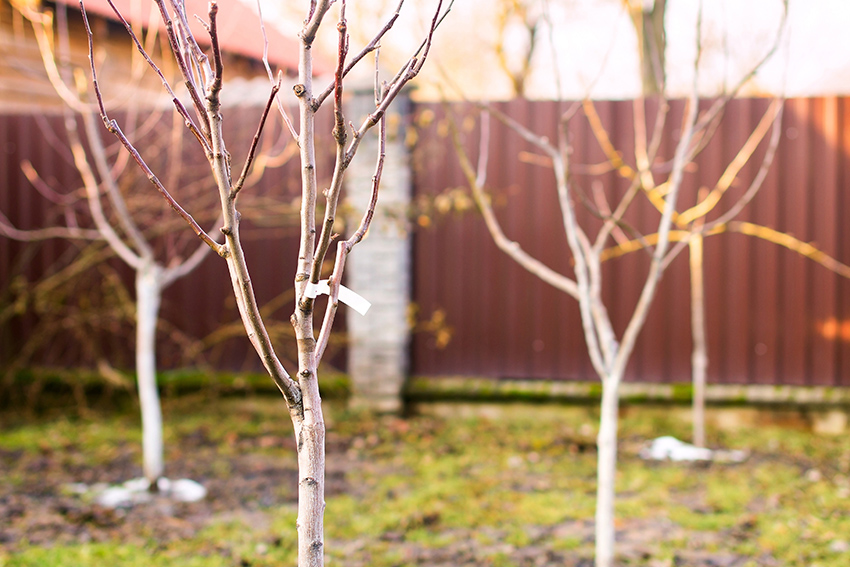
670, 448
136, 491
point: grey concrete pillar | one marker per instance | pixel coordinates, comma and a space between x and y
379, 267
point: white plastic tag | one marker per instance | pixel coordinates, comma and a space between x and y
347, 296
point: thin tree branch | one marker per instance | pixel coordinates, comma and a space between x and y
44, 188
370, 47
95, 206
542, 142
218, 68
341, 162
250, 159
176, 101
476, 179
721, 102
99, 154
407, 72
286, 119
10, 231
187, 43
765, 233
748, 195
113, 127
345, 155
342, 250
733, 169
184, 268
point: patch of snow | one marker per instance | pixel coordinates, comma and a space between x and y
186, 490
136, 491
670, 448
667, 447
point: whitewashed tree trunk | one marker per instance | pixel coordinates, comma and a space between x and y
607, 471
699, 354
148, 296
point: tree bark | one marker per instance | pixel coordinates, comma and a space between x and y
606, 471
699, 355
310, 437
652, 43
148, 295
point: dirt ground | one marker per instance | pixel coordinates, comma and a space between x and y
37, 508
42, 510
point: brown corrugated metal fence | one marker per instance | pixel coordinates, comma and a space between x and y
773, 316
85, 318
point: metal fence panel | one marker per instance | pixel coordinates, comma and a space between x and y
199, 323
773, 316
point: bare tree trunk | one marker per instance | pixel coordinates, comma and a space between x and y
148, 295
648, 21
606, 470
699, 356
310, 436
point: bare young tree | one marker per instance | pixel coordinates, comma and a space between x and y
609, 353
202, 75
132, 228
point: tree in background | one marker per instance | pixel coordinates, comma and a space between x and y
648, 20
138, 230
514, 54
202, 74
653, 175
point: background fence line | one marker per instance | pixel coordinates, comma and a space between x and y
773, 316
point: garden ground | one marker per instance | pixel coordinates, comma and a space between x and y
511, 486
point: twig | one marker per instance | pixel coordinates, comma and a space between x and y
286, 119
251, 152
98, 152
191, 47
476, 178
345, 247
10, 231
113, 127
370, 47
216, 49
176, 101
748, 195
342, 161
731, 173
721, 102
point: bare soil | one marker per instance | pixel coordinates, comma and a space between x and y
243, 482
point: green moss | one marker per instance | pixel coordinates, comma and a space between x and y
595, 391
683, 392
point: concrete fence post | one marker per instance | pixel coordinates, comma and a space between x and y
379, 268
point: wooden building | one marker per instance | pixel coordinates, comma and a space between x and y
25, 84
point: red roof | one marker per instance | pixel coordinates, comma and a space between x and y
238, 28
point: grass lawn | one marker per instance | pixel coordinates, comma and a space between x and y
510, 486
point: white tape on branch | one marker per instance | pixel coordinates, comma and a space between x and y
347, 296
